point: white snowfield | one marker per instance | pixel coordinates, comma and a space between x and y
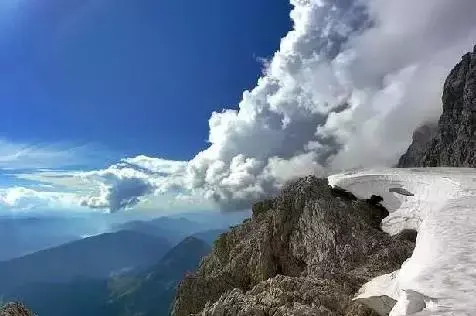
440, 203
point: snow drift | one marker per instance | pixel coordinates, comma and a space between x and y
440, 203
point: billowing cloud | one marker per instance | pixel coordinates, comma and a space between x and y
122, 185
124, 193
346, 89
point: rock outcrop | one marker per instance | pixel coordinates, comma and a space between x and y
454, 142
422, 139
15, 309
306, 252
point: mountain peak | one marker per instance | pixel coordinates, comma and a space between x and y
311, 245
453, 142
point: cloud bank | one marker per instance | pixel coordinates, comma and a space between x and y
349, 84
122, 185
25, 199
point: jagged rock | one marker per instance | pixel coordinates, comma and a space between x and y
454, 142
382, 305
282, 296
307, 254
15, 309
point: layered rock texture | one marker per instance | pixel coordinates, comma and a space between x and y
453, 142
15, 309
306, 252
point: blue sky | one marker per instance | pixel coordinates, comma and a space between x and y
85, 83
136, 77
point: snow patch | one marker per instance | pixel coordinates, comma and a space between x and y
410, 302
380, 294
440, 277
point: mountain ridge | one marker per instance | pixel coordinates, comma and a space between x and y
151, 292
92, 257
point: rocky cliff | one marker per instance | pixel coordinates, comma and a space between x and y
306, 252
15, 309
453, 142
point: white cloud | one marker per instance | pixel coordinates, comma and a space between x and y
155, 165
139, 182
125, 184
64, 180
21, 199
118, 187
42, 178
123, 193
346, 89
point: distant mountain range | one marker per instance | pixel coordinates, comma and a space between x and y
20, 236
172, 229
151, 292
146, 291
92, 257
175, 229
136, 268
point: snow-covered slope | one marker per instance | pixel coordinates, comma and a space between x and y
440, 203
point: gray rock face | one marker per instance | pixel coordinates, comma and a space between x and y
15, 309
306, 252
422, 139
454, 144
